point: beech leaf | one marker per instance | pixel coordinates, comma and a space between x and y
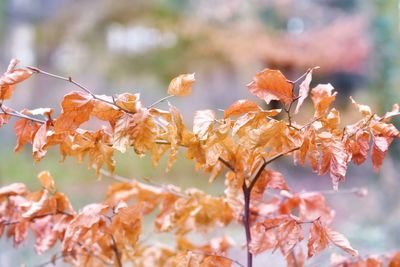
271, 85
181, 85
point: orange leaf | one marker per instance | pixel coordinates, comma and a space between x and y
340, 241
181, 85
379, 149
47, 181
322, 97
129, 102
39, 142
10, 78
76, 109
25, 131
304, 89
317, 240
269, 179
335, 159
203, 123
241, 107
13, 189
271, 85
321, 236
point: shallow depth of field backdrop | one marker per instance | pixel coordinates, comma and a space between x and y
139, 46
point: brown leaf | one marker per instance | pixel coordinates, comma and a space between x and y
363, 109
360, 147
289, 234
241, 107
203, 123
303, 91
335, 159
76, 109
39, 142
271, 85
269, 179
321, 236
13, 189
47, 181
105, 111
129, 102
322, 97
181, 85
138, 130
25, 131
341, 241
296, 258
10, 78
317, 240
379, 150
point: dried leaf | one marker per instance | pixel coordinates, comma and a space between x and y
25, 131
76, 109
322, 97
47, 181
271, 85
181, 85
241, 107
10, 78
303, 91
203, 123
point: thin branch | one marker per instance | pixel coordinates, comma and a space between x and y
160, 100
116, 252
83, 88
149, 183
216, 255
22, 116
304, 75
311, 122
266, 162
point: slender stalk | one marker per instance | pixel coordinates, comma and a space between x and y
116, 252
83, 88
160, 100
246, 222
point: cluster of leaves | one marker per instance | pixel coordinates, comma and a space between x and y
241, 142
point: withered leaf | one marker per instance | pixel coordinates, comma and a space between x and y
11, 78
271, 85
181, 85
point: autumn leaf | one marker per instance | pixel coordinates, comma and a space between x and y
13, 189
11, 78
363, 109
129, 102
39, 142
25, 130
322, 97
241, 107
181, 85
138, 130
76, 109
379, 150
321, 236
335, 159
304, 89
271, 85
203, 123
269, 179
47, 181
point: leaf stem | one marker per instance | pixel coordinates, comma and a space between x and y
160, 100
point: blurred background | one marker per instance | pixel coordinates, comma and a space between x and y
139, 46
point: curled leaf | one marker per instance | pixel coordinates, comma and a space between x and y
241, 107
181, 85
271, 85
10, 79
